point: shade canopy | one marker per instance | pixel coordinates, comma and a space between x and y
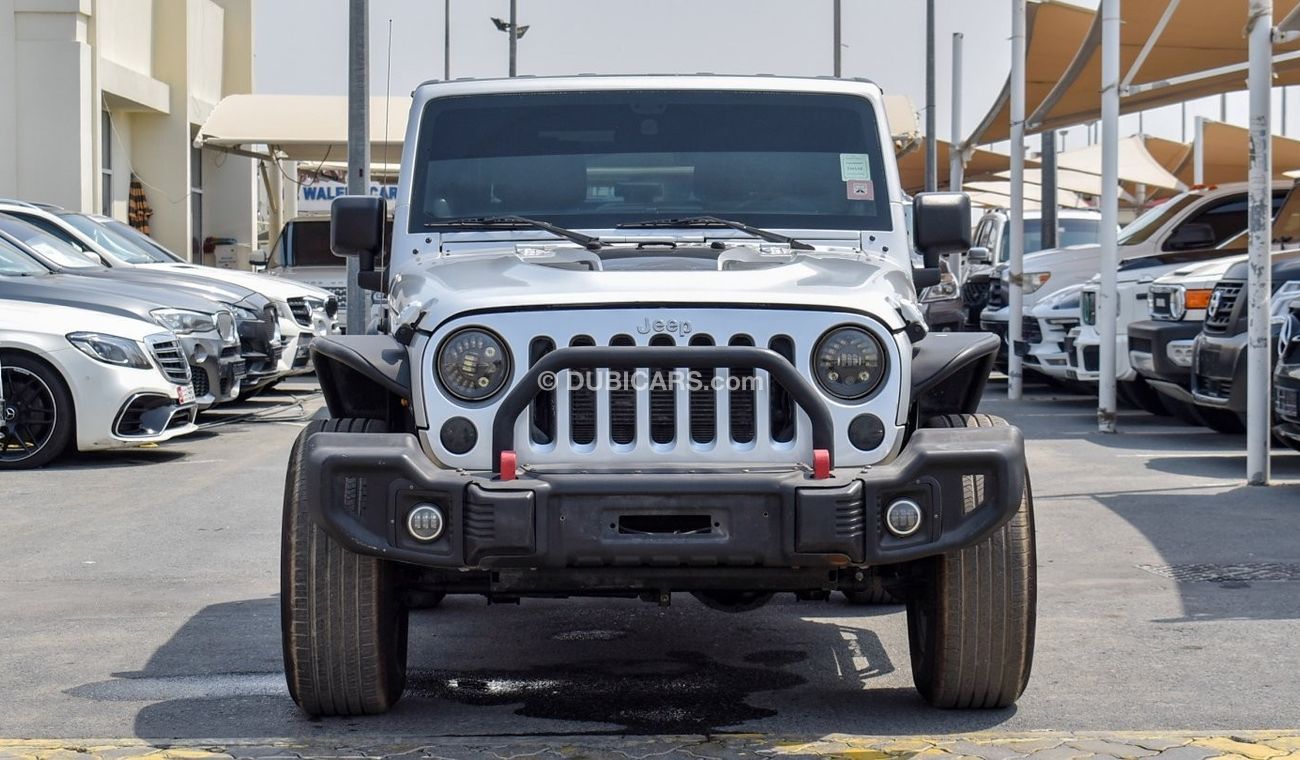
310, 128
1143, 160
1066, 179
1226, 155
1171, 51
1054, 30
904, 123
1034, 193
980, 164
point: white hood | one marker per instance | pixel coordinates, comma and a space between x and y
274, 288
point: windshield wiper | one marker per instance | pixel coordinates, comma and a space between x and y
516, 222
713, 221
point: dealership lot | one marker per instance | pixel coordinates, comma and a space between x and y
140, 599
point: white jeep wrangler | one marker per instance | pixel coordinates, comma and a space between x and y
654, 335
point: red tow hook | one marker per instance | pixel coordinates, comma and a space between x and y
508, 466
821, 464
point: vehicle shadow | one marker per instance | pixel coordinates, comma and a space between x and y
557, 667
103, 460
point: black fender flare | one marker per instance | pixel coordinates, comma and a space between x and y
950, 370
362, 375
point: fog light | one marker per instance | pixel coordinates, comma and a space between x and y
200, 354
458, 435
1142, 361
425, 522
903, 518
1180, 352
866, 432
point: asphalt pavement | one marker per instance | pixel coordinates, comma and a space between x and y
139, 599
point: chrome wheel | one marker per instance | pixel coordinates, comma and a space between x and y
29, 416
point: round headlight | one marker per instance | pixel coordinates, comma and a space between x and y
848, 362
473, 364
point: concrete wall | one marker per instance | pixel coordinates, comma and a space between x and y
158, 67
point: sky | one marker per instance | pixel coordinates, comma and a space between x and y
301, 47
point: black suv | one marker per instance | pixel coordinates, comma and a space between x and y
1286, 381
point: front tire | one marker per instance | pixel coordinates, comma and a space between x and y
37, 418
971, 616
342, 623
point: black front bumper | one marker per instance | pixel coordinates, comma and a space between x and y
362, 486
1286, 396
1153, 337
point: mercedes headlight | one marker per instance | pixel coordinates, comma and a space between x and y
848, 362
184, 321
110, 349
473, 364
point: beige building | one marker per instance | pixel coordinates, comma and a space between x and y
95, 91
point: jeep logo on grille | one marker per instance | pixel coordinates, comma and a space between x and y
681, 328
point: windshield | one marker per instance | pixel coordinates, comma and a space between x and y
114, 242
1068, 232
13, 262
596, 159
140, 239
307, 244
1138, 230
61, 252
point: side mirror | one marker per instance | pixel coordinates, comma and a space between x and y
980, 255
1190, 236
940, 225
258, 258
357, 229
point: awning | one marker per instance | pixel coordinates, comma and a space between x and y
309, 128
1054, 30
980, 164
1226, 151
1066, 179
904, 123
1171, 51
1034, 193
1143, 160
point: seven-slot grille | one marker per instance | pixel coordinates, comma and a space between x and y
696, 402
171, 359
1032, 331
976, 292
997, 296
1284, 403
1223, 302
301, 310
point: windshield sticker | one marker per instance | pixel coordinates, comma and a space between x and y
855, 167
859, 190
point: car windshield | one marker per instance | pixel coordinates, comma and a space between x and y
60, 252
1138, 230
307, 244
114, 242
139, 238
1068, 232
15, 263
594, 160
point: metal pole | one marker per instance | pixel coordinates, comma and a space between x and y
837, 39
1183, 120
1107, 302
358, 141
446, 40
1223, 107
931, 130
1198, 152
1050, 220
1260, 282
956, 164
1015, 329
514, 37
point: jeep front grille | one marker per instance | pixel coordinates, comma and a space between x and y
171, 358
747, 405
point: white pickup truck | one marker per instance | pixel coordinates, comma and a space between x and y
1190, 223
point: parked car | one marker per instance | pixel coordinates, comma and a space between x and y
1219, 351
1047, 329
1286, 381
302, 312
992, 246
1160, 348
78, 379
256, 357
1188, 224
302, 253
726, 230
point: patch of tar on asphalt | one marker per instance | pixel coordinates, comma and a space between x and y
685, 693
1233, 573
594, 635
776, 657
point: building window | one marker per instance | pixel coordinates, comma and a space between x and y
106, 164
196, 202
